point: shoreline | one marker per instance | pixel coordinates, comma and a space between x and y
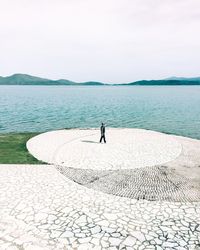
13, 145
95, 128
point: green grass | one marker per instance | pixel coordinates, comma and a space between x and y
13, 149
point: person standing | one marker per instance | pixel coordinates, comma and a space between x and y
102, 133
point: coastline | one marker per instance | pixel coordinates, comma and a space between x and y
13, 148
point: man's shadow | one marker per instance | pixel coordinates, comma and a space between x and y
90, 142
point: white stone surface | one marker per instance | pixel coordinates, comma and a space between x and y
41, 209
125, 148
35, 190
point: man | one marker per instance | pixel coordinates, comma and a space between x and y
102, 133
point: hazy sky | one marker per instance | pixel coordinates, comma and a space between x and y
102, 40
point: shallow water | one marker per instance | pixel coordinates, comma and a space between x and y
170, 109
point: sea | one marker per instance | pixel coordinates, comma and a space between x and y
169, 109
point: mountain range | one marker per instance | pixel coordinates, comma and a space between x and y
24, 79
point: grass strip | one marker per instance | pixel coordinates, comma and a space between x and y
13, 149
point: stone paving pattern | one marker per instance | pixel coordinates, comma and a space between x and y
150, 183
42, 208
72, 152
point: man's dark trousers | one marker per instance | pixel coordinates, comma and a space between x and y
103, 137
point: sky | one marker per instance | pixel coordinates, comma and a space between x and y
112, 41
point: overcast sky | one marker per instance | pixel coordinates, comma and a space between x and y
111, 41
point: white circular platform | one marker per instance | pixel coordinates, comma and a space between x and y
125, 148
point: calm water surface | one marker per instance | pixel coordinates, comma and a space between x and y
173, 110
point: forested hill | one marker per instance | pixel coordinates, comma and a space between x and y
24, 79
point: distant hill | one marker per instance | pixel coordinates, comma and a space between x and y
165, 82
195, 79
24, 79
65, 82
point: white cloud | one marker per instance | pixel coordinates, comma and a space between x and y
107, 40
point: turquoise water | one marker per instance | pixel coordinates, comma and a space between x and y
168, 109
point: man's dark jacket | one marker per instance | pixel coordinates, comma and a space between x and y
102, 130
